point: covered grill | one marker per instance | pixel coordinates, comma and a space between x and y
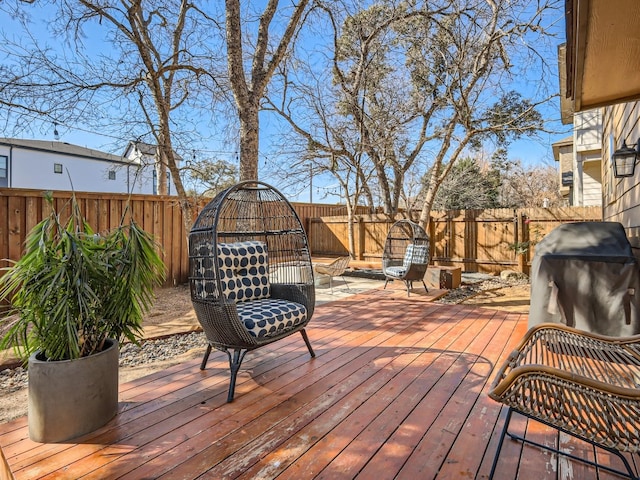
584, 275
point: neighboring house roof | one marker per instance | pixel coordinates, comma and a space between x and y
63, 148
143, 148
565, 142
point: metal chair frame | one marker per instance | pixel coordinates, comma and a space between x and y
505, 432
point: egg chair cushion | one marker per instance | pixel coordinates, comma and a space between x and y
269, 317
395, 271
414, 255
243, 270
204, 286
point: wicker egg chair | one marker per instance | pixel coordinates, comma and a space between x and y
406, 254
251, 276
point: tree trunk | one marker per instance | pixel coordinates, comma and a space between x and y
425, 213
249, 142
161, 168
350, 234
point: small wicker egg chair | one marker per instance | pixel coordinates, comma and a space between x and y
406, 254
251, 275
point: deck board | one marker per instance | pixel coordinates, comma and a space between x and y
397, 390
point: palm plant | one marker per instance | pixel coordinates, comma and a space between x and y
74, 288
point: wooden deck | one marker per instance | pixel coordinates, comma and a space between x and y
397, 390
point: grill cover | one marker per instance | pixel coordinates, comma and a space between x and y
585, 275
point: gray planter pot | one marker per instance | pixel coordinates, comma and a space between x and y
72, 397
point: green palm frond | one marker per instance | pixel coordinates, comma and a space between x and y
72, 288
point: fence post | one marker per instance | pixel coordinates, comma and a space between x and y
521, 238
307, 229
431, 231
359, 240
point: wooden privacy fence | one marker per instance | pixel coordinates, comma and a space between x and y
21, 210
475, 240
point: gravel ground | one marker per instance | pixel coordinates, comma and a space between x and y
131, 355
12, 379
472, 288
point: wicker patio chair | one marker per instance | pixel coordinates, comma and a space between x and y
251, 278
406, 254
334, 269
582, 384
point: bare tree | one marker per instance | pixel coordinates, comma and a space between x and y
328, 113
158, 70
533, 186
209, 177
248, 89
476, 48
414, 85
340, 160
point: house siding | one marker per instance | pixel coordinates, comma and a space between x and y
566, 166
587, 137
580, 156
621, 195
588, 130
36, 171
563, 154
146, 155
591, 184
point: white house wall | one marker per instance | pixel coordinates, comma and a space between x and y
588, 130
591, 184
148, 161
34, 169
587, 151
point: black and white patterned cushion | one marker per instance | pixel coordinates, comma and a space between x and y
416, 255
204, 272
243, 270
270, 316
395, 271
413, 255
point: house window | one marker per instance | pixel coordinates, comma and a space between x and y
112, 174
4, 161
57, 168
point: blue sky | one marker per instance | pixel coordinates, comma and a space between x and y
535, 151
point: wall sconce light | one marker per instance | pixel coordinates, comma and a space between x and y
624, 160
